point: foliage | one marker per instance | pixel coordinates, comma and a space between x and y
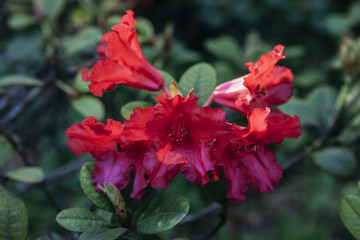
45, 44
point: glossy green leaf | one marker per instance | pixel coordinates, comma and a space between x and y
103, 234
301, 108
13, 79
26, 174
128, 108
200, 77
20, 21
163, 214
337, 160
13, 217
88, 106
350, 214
322, 103
98, 199
80, 220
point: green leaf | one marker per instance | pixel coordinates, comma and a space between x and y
26, 174
164, 214
79, 85
301, 108
225, 47
87, 39
113, 193
52, 8
322, 102
351, 132
128, 108
20, 21
13, 217
80, 220
50, 236
6, 150
25, 48
103, 234
144, 29
89, 106
139, 236
336, 160
12, 79
98, 199
200, 77
350, 214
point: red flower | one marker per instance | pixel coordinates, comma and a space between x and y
114, 160
122, 61
242, 154
264, 86
181, 132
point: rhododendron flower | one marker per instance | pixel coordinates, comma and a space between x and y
122, 61
264, 86
114, 159
181, 132
245, 159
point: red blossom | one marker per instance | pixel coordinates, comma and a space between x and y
122, 61
245, 159
114, 159
181, 132
264, 86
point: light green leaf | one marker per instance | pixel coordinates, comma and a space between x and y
322, 102
12, 79
350, 214
336, 160
163, 214
200, 77
128, 108
26, 174
88, 106
20, 21
301, 108
79, 85
98, 199
103, 234
13, 217
80, 220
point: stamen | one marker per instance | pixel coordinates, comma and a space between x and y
178, 129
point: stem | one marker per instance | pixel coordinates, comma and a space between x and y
208, 102
168, 93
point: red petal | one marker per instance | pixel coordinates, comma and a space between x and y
93, 137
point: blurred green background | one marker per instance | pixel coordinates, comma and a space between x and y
46, 43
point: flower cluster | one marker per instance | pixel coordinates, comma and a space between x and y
176, 135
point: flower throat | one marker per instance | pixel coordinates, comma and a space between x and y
178, 129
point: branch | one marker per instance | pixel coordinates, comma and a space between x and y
203, 213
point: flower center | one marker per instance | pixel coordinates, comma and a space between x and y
259, 91
178, 129
244, 146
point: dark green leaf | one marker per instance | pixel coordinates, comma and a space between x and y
12, 79
6, 150
164, 214
322, 103
26, 174
301, 108
25, 48
224, 47
87, 39
98, 199
128, 108
103, 234
80, 220
350, 214
50, 236
13, 217
52, 8
337, 160
351, 132
139, 236
144, 29
19, 21
200, 77
309, 78
88, 106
